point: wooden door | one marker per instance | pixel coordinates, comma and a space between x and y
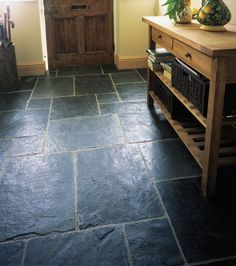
79, 32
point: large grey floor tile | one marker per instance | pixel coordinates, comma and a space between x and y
146, 126
132, 91
126, 77
169, 159
111, 68
100, 247
66, 107
153, 243
205, 229
107, 97
113, 187
53, 87
123, 108
11, 254
37, 195
14, 100
92, 84
39, 104
76, 133
27, 145
23, 123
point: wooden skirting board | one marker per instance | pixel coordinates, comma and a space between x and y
31, 69
127, 62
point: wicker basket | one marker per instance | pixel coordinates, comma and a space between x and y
8, 70
172, 104
196, 89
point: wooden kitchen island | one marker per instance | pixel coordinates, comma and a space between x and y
213, 54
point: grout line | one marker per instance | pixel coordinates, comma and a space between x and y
140, 75
24, 254
164, 208
31, 93
80, 149
112, 81
57, 233
125, 137
98, 105
200, 263
46, 131
102, 69
129, 255
74, 160
56, 75
171, 226
74, 85
177, 178
14, 92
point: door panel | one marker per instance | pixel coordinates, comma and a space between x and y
79, 33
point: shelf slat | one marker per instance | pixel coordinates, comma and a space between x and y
194, 111
193, 136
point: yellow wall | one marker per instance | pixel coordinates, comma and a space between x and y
26, 34
131, 33
232, 6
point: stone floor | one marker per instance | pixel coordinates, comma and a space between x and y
90, 176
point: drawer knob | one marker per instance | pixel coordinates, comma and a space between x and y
188, 55
159, 37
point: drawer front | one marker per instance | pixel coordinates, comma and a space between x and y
192, 57
162, 39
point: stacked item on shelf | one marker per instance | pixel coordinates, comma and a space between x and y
167, 66
158, 56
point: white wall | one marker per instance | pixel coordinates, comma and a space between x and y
26, 35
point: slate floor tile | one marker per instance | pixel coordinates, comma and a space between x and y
205, 229
111, 68
123, 108
84, 132
92, 84
107, 97
14, 100
143, 72
11, 254
146, 126
113, 187
23, 123
103, 246
126, 77
37, 195
153, 243
27, 83
39, 104
132, 91
169, 159
65, 107
53, 87
26, 145
83, 70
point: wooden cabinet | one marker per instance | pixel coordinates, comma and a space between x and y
214, 56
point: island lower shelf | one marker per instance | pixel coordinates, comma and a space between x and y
192, 133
